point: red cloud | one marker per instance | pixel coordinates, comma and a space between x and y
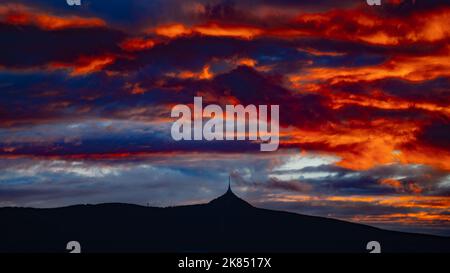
137, 44
357, 24
22, 15
84, 64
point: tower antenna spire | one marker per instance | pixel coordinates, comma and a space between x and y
229, 183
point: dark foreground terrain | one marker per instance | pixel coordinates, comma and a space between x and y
226, 224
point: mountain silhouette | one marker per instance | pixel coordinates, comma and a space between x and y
226, 224
229, 202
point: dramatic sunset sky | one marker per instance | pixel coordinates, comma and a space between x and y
364, 95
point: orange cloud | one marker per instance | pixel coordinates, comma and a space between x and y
427, 156
210, 29
137, 44
405, 67
134, 88
204, 74
421, 218
52, 22
355, 24
172, 30
391, 183
22, 15
214, 29
410, 187
379, 141
397, 201
414, 188
85, 64
362, 145
247, 62
367, 144
362, 25
382, 101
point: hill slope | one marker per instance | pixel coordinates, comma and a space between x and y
226, 224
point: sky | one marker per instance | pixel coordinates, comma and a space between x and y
364, 94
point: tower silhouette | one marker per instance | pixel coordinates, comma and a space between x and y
229, 200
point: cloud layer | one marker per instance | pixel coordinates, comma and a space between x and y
364, 95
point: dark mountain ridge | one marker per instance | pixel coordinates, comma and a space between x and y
226, 224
